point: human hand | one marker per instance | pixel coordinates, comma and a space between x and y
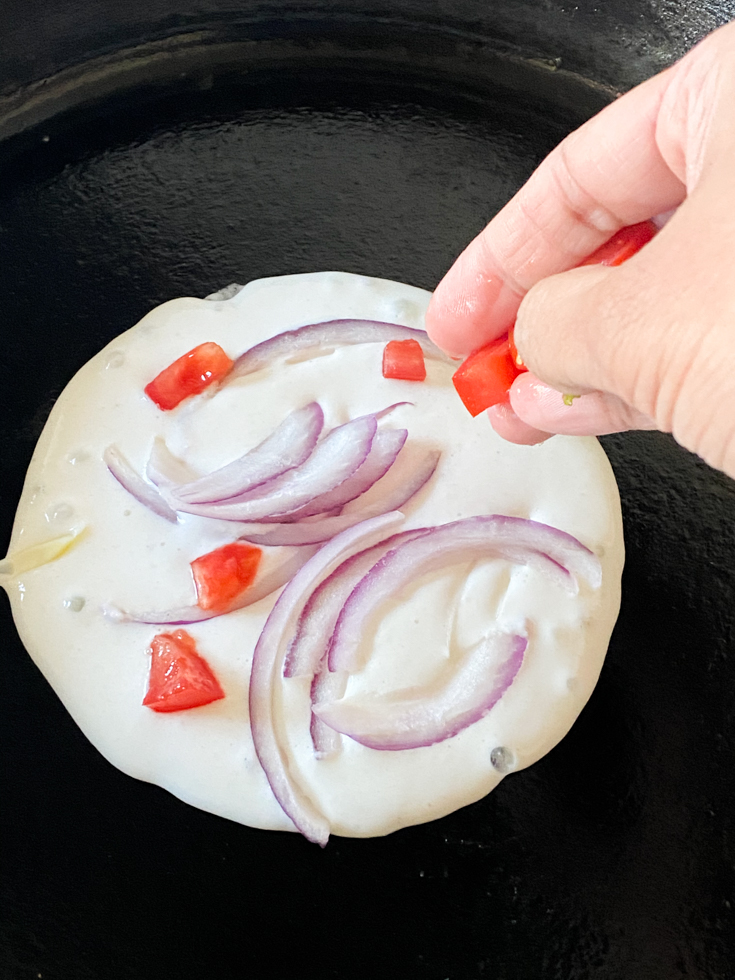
650, 344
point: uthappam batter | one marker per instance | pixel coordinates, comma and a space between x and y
83, 546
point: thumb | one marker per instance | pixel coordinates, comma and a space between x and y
654, 336
562, 329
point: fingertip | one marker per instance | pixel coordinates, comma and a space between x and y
513, 429
595, 413
471, 306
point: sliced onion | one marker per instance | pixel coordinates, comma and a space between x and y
335, 458
164, 469
307, 652
134, 483
313, 532
289, 445
326, 686
331, 333
386, 446
268, 664
308, 647
263, 586
429, 715
558, 554
391, 408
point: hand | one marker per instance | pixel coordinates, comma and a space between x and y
650, 344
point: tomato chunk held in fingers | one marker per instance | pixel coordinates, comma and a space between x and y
484, 379
623, 245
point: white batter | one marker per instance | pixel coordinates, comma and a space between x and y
133, 558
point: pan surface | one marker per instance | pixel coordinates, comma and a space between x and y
141, 178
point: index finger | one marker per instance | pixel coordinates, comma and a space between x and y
607, 174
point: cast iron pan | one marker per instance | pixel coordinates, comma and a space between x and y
377, 145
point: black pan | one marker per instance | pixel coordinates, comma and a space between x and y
171, 151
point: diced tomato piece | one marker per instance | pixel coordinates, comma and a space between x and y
180, 678
404, 360
484, 379
222, 575
622, 245
189, 375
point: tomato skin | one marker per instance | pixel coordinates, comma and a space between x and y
222, 575
179, 678
404, 360
189, 375
623, 244
484, 379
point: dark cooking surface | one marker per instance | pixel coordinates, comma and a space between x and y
611, 858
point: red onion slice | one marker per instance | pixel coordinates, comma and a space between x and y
391, 408
307, 651
263, 586
268, 664
386, 446
317, 531
164, 469
558, 554
331, 333
134, 483
326, 687
335, 458
289, 445
308, 646
429, 715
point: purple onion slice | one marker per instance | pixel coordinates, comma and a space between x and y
314, 532
335, 458
268, 665
428, 715
307, 652
391, 408
308, 647
164, 469
263, 586
386, 446
558, 554
134, 483
326, 686
289, 445
331, 333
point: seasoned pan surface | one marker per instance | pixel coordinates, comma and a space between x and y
611, 858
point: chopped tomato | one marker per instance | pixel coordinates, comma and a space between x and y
189, 375
222, 575
484, 379
180, 678
404, 359
622, 245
